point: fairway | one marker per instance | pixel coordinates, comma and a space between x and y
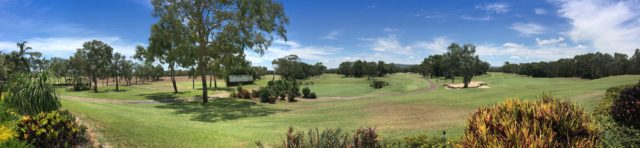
409, 105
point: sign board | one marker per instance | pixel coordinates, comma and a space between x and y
240, 78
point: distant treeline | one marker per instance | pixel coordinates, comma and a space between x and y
292, 67
587, 66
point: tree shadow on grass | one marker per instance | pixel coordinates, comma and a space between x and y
163, 97
220, 109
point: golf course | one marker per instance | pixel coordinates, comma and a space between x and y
149, 115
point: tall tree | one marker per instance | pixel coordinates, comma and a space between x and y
117, 68
462, 60
250, 22
99, 57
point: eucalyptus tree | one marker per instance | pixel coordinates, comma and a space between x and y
250, 23
58, 68
462, 60
77, 68
99, 57
117, 67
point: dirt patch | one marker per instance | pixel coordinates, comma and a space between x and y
472, 84
411, 116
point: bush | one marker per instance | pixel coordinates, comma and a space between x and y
543, 123
329, 138
14, 143
291, 98
30, 96
615, 134
626, 107
53, 129
424, 141
312, 95
282, 89
305, 92
377, 84
6, 133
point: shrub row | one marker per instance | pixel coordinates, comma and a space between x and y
333, 138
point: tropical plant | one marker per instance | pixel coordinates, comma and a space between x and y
424, 141
30, 96
53, 129
615, 133
626, 107
547, 122
330, 138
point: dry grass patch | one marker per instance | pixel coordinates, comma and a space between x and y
393, 117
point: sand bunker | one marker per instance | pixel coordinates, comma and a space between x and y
472, 84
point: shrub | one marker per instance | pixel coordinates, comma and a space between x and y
377, 84
312, 95
365, 138
626, 107
14, 143
291, 98
329, 138
305, 92
614, 134
424, 141
6, 133
543, 123
53, 129
30, 96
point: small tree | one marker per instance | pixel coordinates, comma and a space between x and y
99, 58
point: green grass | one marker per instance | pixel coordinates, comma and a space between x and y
403, 108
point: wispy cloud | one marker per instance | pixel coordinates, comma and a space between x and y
607, 26
540, 11
332, 35
528, 28
476, 18
553, 41
390, 43
308, 53
513, 52
494, 7
436, 46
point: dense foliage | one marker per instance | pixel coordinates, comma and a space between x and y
615, 133
361, 68
53, 129
291, 67
424, 141
377, 84
457, 61
330, 138
588, 66
279, 89
30, 96
626, 107
543, 123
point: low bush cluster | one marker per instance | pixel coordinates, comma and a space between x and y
543, 123
306, 93
241, 93
377, 84
53, 129
424, 141
280, 89
331, 138
617, 131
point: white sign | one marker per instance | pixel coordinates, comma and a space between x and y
240, 78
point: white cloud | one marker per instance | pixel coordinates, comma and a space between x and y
281, 48
437, 46
66, 46
519, 52
540, 11
553, 41
476, 18
494, 7
528, 28
606, 26
332, 35
388, 44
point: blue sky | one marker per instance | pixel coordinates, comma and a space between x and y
332, 31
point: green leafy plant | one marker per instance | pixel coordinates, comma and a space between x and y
626, 107
312, 95
543, 123
30, 96
424, 141
614, 133
14, 143
53, 129
305, 92
377, 84
329, 138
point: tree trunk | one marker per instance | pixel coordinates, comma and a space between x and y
107, 84
95, 84
193, 81
215, 82
173, 78
117, 84
205, 96
210, 80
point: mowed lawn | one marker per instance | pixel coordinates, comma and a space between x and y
408, 106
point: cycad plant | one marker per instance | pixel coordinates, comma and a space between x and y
30, 96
